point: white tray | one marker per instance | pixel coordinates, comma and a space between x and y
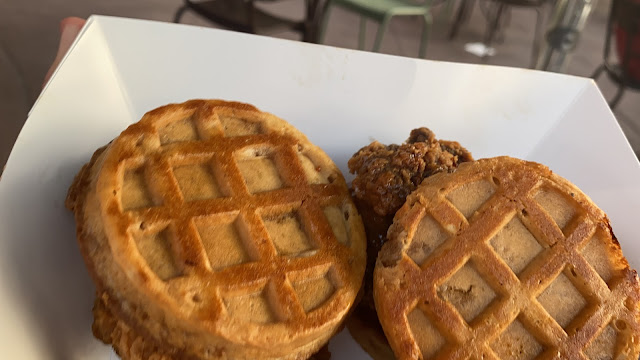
342, 99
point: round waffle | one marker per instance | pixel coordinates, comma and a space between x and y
505, 260
216, 231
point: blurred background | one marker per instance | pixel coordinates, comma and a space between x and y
553, 35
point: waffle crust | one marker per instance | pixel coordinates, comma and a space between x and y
216, 231
505, 260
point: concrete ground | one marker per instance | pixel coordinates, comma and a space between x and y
29, 39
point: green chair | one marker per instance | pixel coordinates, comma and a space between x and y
382, 11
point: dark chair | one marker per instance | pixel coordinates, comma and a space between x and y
624, 24
495, 11
245, 16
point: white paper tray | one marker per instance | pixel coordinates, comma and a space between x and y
342, 99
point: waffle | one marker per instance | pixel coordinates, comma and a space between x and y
216, 231
505, 260
385, 176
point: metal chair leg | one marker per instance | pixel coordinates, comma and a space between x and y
445, 15
362, 33
536, 37
325, 21
425, 35
381, 30
466, 6
616, 99
312, 22
597, 72
451, 4
179, 13
493, 27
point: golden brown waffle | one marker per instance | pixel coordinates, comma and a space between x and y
219, 231
505, 260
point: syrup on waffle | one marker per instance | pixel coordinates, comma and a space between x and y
218, 231
505, 260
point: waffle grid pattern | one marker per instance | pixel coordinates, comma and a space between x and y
558, 257
207, 141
